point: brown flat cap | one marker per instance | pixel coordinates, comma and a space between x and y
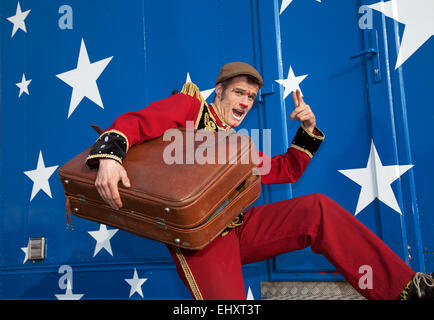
234, 69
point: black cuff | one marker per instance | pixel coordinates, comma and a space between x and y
307, 141
112, 144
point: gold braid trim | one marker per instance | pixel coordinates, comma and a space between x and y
122, 135
188, 274
210, 124
313, 135
105, 155
119, 133
404, 293
219, 116
191, 89
303, 150
235, 223
196, 125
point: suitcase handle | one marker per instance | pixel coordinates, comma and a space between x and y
96, 128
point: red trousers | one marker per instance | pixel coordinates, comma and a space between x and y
272, 229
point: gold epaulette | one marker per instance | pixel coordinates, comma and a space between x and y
191, 89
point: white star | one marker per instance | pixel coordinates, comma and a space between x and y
102, 237
291, 83
136, 284
24, 249
205, 93
250, 294
418, 17
376, 181
40, 177
23, 85
286, 3
18, 20
83, 79
68, 295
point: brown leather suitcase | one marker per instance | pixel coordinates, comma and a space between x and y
185, 204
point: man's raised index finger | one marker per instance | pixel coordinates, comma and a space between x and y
295, 98
299, 97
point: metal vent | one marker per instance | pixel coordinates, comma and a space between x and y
36, 249
309, 290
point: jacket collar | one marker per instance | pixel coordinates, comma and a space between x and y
220, 123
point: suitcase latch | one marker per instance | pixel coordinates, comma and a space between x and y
161, 223
81, 198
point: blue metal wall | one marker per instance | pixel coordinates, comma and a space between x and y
145, 49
